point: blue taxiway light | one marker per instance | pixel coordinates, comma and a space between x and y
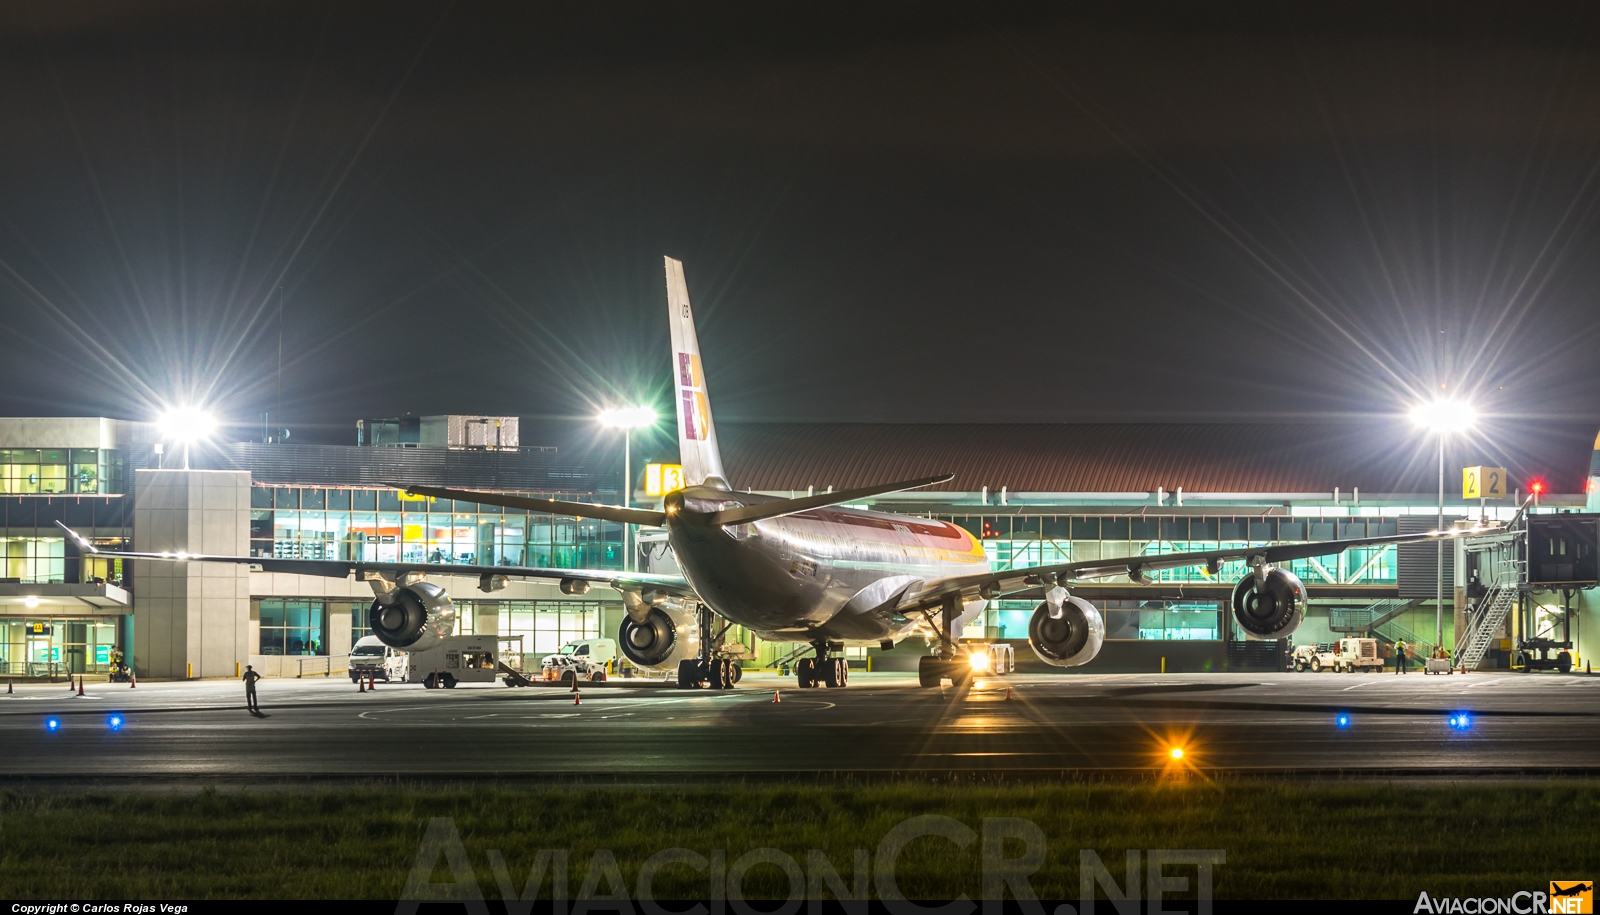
114, 722
1342, 721
52, 724
1461, 721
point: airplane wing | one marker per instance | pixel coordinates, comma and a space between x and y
992, 585
675, 585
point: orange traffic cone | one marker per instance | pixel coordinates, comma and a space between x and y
361, 684
372, 683
80, 686
70, 687
1008, 694
8, 687
577, 697
777, 695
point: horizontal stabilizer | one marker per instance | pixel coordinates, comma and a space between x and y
764, 510
553, 506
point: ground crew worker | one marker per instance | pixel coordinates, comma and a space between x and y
250, 677
1400, 657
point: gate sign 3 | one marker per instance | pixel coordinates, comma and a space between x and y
1483, 482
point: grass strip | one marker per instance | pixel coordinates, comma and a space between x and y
1282, 840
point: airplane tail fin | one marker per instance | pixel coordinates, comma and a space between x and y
697, 435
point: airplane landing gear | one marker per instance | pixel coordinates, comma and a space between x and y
708, 670
947, 664
823, 670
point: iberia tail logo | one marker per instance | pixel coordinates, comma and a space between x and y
692, 388
1571, 897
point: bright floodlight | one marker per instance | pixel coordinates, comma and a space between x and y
186, 424
629, 417
1444, 416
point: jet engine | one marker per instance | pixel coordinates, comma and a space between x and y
414, 616
1073, 639
1271, 609
667, 635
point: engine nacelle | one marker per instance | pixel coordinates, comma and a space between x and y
667, 635
1073, 639
413, 617
1273, 609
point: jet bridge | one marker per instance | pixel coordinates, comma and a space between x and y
1536, 553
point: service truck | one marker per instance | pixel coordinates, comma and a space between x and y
582, 659
1346, 656
455, 659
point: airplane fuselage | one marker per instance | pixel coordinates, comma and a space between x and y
832, 573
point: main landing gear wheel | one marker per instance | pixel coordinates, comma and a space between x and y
722, 673
836, 673
932, 670
805, 672
691, 675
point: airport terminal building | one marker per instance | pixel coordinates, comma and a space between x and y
1033, 493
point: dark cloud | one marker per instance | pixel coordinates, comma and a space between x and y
906, 212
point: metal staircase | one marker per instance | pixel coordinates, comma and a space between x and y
1417, 646
1370, 617
1485, 619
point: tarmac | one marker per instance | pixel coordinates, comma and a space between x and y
881, 725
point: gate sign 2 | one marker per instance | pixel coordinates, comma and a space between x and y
1483, 483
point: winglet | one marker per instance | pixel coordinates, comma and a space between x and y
82, 541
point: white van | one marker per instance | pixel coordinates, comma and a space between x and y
369, 657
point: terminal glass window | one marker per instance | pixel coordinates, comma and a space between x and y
1028, 541
33, 560
53, 471
314, 523
293, 626
546, 625
44, 646
1123, 619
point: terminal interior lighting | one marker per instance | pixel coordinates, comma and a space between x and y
1444, 416
628, 417
31, 601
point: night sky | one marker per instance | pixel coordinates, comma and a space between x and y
895, 212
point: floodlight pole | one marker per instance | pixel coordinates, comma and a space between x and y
1438, 564
627, 497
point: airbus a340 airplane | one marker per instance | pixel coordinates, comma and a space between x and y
800, 570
